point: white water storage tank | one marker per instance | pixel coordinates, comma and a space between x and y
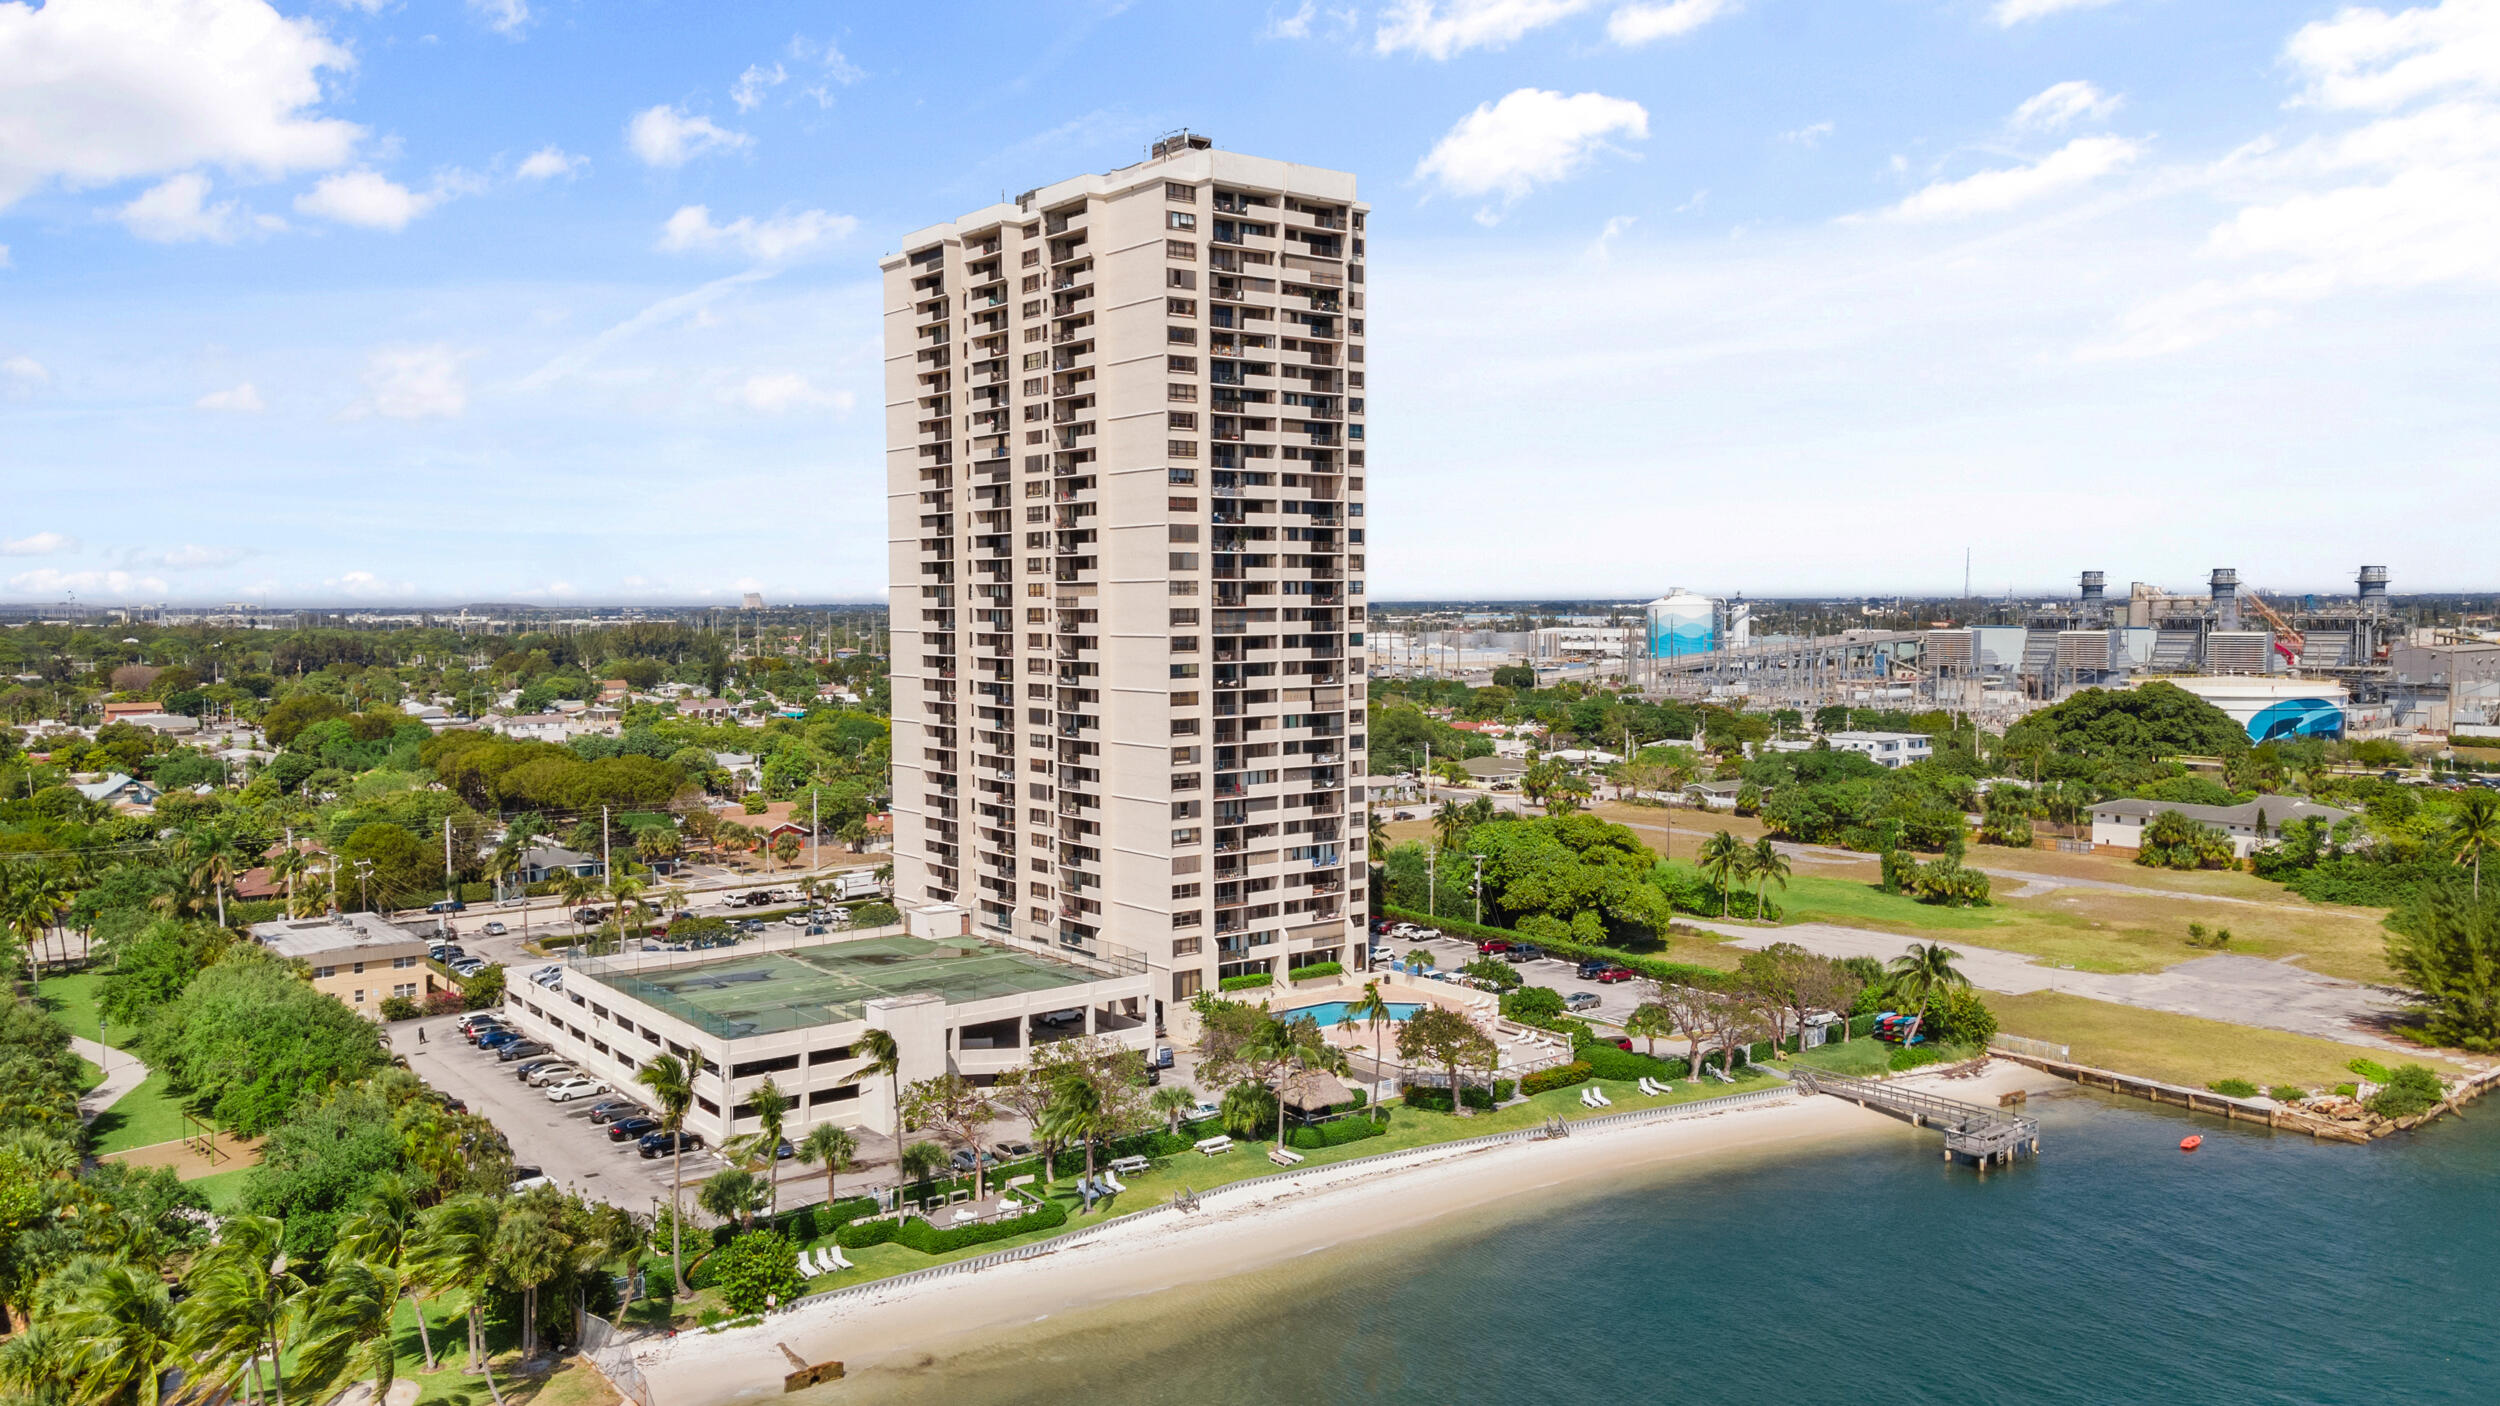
1682, 623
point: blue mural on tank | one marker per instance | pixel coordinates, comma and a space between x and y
2297, 717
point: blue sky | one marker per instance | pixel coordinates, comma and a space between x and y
444, 300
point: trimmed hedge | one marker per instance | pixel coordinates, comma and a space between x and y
917, 1234
1562, 1077
1684, 973
1249, 982
1438, 1100
1336, 1134
1605, 1060
1315, 971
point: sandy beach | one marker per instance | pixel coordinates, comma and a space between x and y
911, 1328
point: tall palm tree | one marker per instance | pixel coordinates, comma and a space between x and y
1376, 833
1371, 1009
1449, 822
1767, 865
1924, 970
771, 1106
215, 869
532, 1249
348, 1327
1075, 1113
625, 892
2475, 832
31, 901
830, 1147
1171, 1100
1722, 856
457, 1248
672, 1084
121, 1335
244, 1292
885, 1060
383, 1232
1482, 811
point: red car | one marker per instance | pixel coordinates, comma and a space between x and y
1612, 975
1493, 947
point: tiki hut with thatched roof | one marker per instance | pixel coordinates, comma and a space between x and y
1310, 1093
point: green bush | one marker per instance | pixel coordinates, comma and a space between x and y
1919, 1056
398, 1008
1959, 1017
1532, 1005
859, 1235
920, 1235
1336, 1134
1683, 972
1438, 1100
2287, 1093
1249, 982
2411, 1089
1608, 1061
2371, 1070
1315, 971
757, 1264
1559, 1077
2233, 1088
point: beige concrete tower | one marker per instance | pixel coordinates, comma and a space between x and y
1125, 462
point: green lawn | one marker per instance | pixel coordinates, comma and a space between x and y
225, 1191
71, 1000
88, 1075
1811, 898
1863, 1057
143, 1117
2184, 1049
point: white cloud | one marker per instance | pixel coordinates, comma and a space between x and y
366, 199
2063, 104
2013, 12
783, 392
505, 17
191, 556
176, 210
42, 544
2079, 162
771, 240
22, 376
99, 92
239, 400
748, 92
1440, 30
2371, 60
367, 585
1641, 24
1603, 247
414, 383
829, 59
1808, 136
549, 162
663, 136
1293, 26
1531, 137
120, 585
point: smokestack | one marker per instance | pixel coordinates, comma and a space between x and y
2373, 590
2225, 585
2094, 582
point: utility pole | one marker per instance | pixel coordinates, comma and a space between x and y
607, 864
451, 888
1479, 888
1432, 879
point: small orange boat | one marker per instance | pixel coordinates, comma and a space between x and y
2191, 1142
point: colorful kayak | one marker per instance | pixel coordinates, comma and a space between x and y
2191, 1142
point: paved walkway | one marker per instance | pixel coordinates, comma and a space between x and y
2243, 990
122, 1073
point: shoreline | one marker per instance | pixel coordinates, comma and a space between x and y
880, 1335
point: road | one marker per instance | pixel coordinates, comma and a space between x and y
708, 891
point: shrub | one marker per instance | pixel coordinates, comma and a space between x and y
2411, 1089
860, 1234
1336, 1134
2233, 1088
802, 1226
2287, 1093
1910, 1057
1532, 1005
1438, 1100
920, 1235
1250, 982
753, 803
876, 915
755, 1265
1683, 972
445, 1003
1960, 1017
1315, 971
2371, 1070
398, 1008
2347, 1090
1559, 1077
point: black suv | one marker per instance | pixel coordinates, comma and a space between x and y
1590, 969
661, 1144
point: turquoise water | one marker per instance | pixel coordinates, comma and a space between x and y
2260, 1269
1329, 1013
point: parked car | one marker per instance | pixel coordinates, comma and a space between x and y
963, 1159
661, 1144
550, 1074
524, 1178
750, 925
498, 1038
1520, 952
1202, 1112
1403, 815
1012, 1149
529, 1067
1407, 931
520, 1049
1588, 970
567, 1090
448, 905
495, 928
632, 1129
610, 1109
794, 920
1580, 1001
1380, 927
1611, 975
1493, 946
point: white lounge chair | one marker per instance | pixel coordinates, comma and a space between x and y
832, 1259
1600, 1095
807, 1265
1112, 1181
1588, 1097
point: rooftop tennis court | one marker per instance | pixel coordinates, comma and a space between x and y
769, 992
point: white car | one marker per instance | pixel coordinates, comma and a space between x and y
573, 1088
796, 920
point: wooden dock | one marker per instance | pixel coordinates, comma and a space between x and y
1987, 1136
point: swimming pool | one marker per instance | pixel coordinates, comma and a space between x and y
1330, 1013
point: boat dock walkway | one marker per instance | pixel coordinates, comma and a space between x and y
1985, 1135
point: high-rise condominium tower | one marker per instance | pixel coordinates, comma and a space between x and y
1124, 418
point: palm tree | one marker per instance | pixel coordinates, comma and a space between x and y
531, 1250
1376, 832
120, 1334
1482, 811
623, 892
885, 1059
1722, 856
1171, 1100
382, 1232
1921, 972
771, 1106
575, 889
830, 1147
243, 1295
1449, 822
1767, 864
2475, 831
672, 1084
1372, 1009
457, 1247
920, 1162
348, 1327
30, 903
1075, 1113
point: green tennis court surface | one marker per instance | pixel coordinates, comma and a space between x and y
774, 991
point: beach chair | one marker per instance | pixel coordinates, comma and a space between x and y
1587, 1097
1600, 1095
833, 1259
1112, 1180
807, 1265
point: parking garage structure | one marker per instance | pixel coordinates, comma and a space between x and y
794, 1012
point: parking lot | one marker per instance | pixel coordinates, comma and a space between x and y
558, 1138
1615, 1001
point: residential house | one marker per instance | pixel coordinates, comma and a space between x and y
1890, 750
540, 863
358, 959
745, 773
2120, 824
119, 790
